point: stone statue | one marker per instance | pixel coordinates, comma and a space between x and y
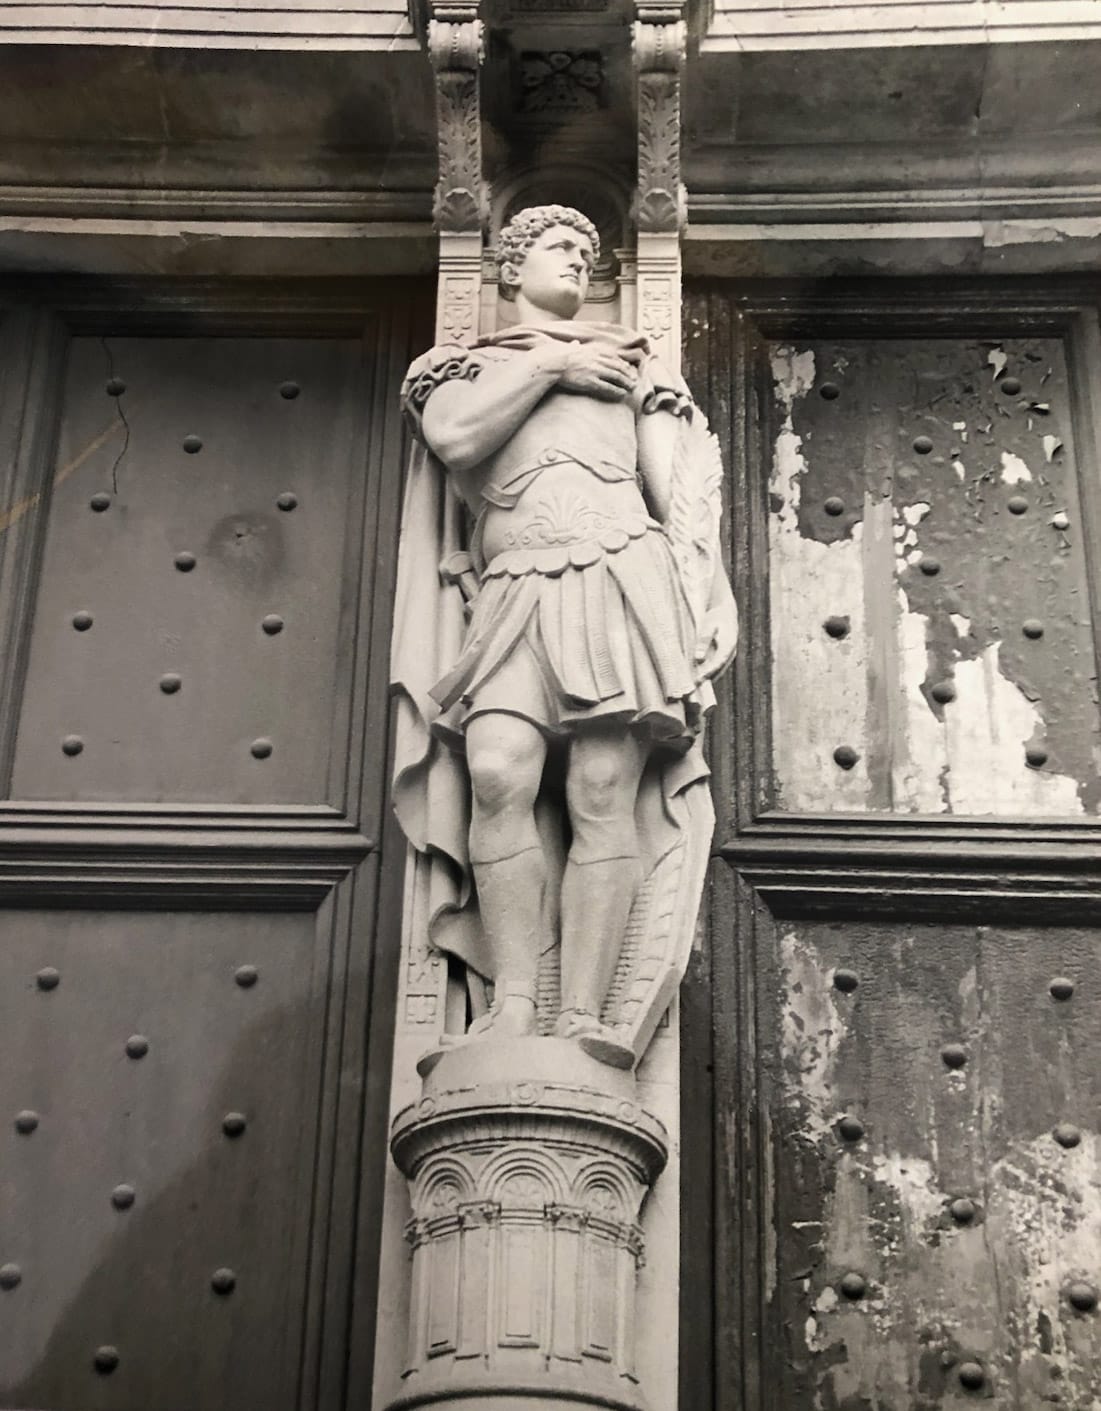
562, 608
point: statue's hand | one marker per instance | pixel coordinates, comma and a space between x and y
595, 371
718, 640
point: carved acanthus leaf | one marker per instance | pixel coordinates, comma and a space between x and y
659, 56
456, 48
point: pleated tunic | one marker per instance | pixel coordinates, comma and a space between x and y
581, 620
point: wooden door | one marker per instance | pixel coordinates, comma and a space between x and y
899, 1020
200, 504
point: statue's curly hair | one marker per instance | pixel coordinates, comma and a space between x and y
526, 226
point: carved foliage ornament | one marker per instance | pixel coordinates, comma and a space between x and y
659, 50
561, 81
456, 48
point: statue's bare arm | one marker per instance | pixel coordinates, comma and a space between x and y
657, 435
465, 422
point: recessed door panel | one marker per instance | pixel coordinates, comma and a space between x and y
936, 1178
159, 1101
197, 593
932, 635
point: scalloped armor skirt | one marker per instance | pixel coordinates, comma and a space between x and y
581, 634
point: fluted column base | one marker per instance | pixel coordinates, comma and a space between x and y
528, 1162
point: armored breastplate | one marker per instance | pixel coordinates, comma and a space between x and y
600, 436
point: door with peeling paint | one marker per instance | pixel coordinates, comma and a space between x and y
906, 921
198, 521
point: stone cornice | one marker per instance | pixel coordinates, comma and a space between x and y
967, 203
382, 25
196, 204
739, 25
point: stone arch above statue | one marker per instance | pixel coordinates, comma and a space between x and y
603, 193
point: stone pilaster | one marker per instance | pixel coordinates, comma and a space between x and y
528, 1163
654, 279
522, 1167
659, 50
456, 48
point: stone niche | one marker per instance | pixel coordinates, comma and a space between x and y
528, 1162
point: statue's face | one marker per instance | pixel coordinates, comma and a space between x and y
555, 272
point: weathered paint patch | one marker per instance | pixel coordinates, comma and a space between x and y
812, 1029
1044, 1204
914, 1181
921, 752
938, 1290
986, 739
1014, 470
996, 547
772, 1239
810, 581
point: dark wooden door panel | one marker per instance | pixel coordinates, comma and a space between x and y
935, 1183
196, 596
220, 808
904, 1025
172, 1062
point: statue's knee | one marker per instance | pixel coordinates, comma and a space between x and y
596, 784
500, 780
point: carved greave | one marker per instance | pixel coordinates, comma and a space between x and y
511, 895
596, 901
603, 839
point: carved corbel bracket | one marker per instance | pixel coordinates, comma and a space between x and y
456, 48
660, 38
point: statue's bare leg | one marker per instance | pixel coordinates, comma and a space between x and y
602, 870
505, 756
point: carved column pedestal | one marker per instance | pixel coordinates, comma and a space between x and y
527, 1162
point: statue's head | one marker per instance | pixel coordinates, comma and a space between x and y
547, 254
